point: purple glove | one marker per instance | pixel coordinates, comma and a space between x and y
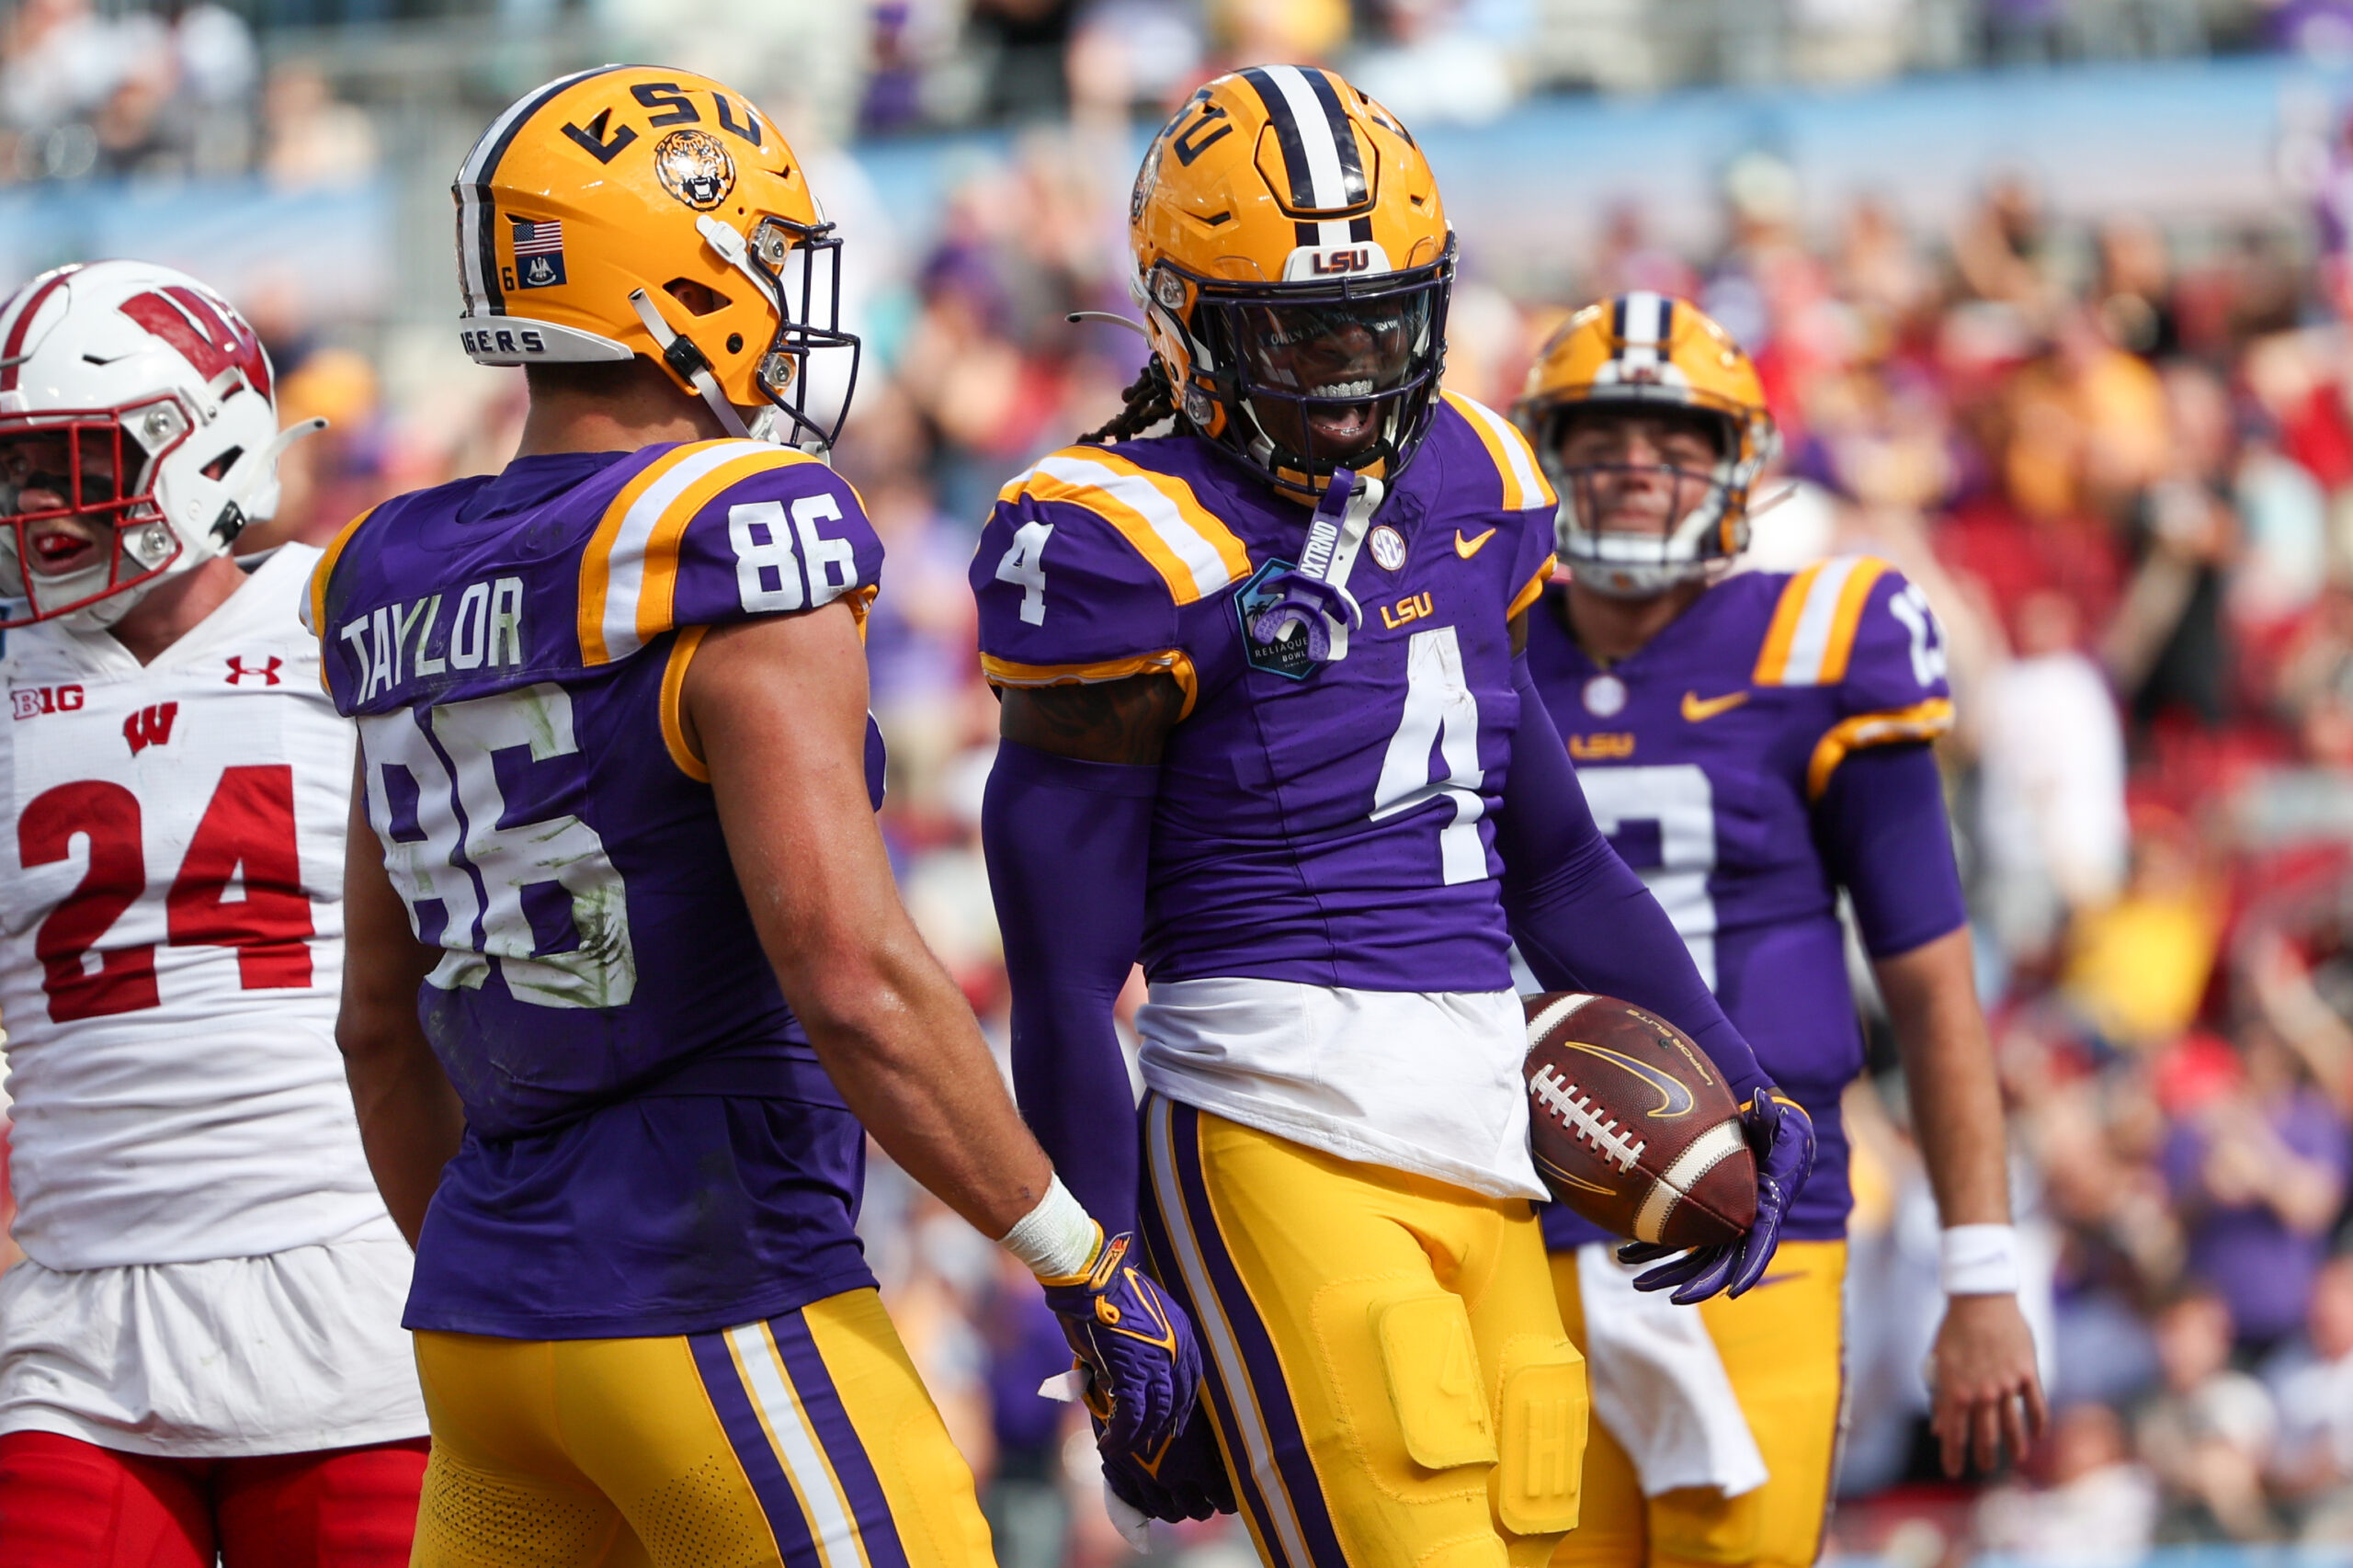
1780, 1134
1185, 1481
1306, 599
1135, 1346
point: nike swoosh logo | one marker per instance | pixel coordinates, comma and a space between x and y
1467, 547
1696, 710
1674, 1098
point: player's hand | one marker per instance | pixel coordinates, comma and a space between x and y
1986, 1392
1185, 1480
1135, 1346
1780, 1135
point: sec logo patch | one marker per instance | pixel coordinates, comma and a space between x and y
1388, 547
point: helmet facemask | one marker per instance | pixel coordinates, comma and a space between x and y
790, 258
783, 260
1289, 362
1705, 525
82, 531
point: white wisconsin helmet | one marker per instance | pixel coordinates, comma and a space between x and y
132, 397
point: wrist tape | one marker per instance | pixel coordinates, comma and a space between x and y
1979, 1260
1058, 1238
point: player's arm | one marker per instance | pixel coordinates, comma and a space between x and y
1066, 825
410, 1121
1882, 827
892, 1028
893, 1032
1583, 922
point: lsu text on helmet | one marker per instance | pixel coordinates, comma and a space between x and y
1649, 352
590, 196
138, 437
1294, 265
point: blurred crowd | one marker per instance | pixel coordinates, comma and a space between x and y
2119, 456
169, 93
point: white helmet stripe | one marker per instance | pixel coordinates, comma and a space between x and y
1321, 147
1642, 326
477, 247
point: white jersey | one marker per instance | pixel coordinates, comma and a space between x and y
171, 886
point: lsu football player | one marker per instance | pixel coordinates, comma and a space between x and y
1265, 727
1752, 745
628, 983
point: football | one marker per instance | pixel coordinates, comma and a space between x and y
1631, 1125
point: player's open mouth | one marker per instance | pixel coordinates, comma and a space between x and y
56, 552
1347, 424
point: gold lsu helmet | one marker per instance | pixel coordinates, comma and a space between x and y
1280, 209
1647, 351
592, 195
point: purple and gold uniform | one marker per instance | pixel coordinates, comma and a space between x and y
1336, 1174
657, 1176
1291, 843
1708, 757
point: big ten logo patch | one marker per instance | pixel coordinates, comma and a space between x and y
32, 701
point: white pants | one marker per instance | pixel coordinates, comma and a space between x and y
289, 1353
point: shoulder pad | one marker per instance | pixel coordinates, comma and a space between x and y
1522, 477
1086, 562
716, 531
1157, 515
1857, 624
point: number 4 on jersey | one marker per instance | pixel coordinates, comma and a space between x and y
1025, 565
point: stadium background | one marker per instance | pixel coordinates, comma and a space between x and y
2052, 300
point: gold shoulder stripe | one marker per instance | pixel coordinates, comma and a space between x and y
1812, 636
1196, 554
324, 570
1921, 721
1534, 589
1170, 661
320, 575
628, 573
674, 689
1524, 481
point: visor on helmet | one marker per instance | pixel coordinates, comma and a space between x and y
1316, 376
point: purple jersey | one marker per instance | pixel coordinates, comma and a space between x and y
1703, 755
1330, 824
651, 1146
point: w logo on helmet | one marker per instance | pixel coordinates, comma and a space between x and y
209, 334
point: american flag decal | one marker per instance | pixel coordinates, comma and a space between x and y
539, 253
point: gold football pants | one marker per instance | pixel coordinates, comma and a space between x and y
1385, 1357
1781, 1345
806, 1440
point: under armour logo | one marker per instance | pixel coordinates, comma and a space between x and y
150, 726
267, 672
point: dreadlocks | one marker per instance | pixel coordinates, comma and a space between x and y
1148, 400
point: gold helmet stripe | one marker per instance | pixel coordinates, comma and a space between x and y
478, 213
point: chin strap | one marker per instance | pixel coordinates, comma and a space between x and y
692, 365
